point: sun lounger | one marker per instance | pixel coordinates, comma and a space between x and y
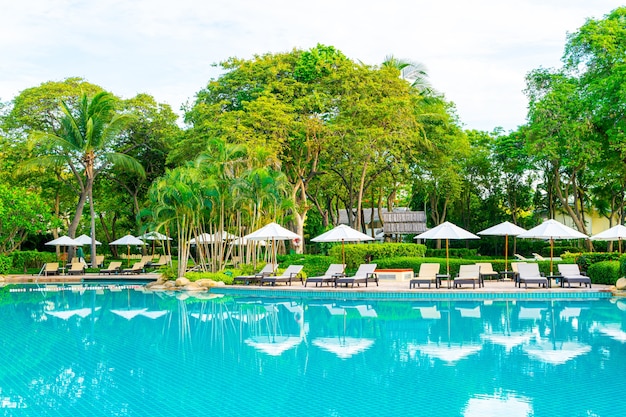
162, 261
137, 268
529, 274
333, 272
76, 268
514, 268
468, 274
113, 268
292, 272
51, 268
521, 258
426, 275
571, 273
365, 273
267, 270
486, 271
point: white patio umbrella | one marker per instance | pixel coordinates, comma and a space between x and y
505, 229
342, 233
63, 241
210, 238
446, 231
272, 232
67, 314
85, 240
128, 240
614, 233
551, 230
154, 237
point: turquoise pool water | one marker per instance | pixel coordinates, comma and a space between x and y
123, 352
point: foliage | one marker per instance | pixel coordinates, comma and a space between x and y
314, 265
5, 264
357, 254
604, 272
452, 253
22, 214
586, 259
25, 260
223, 276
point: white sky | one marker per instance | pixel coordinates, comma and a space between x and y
476, 52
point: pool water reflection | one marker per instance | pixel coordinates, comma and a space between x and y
124, 352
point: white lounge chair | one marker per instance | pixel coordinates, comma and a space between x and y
366, 273
333, 272
426, 275
571, 273
292, 272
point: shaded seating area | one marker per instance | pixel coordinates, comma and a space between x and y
162, 261
76, 268
571, 273
365, 274
113, 268
426, 275
529, 274
468, 274
137, 268
333, 272
292, 272
487, 271
50, 268
267, 270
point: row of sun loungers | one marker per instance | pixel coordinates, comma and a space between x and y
523, 273
334, 276
114, 267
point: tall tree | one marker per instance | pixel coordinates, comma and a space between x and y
83, 145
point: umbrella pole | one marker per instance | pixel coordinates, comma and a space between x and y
506, 253
128, 256
343, 254
551, 254
447, 259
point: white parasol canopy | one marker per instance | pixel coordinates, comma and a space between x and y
63, 241
85, 240
154, 236
211, 238
342, 233
614, 233
446, 231
128, 240
505, 229
447, 352
273, 345
552, 230
271, 232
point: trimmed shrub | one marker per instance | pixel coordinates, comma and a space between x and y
452, 253
224, 276
314, 265
5, 264
605, 272
357, 254
23, 260
586, 259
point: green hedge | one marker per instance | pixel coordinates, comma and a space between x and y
604, 272
314, 265
452, 253
23, 260
5, 264
586, 259
357, 254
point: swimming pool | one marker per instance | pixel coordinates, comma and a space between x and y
93, 351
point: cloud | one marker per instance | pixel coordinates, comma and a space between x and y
477, 53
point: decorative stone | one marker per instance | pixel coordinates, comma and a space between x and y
193, 286
621, 284
181, 282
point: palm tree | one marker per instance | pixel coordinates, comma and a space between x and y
85, 146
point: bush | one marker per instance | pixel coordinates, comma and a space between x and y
357, 254
586, 259
314, 265
224, 276
23, 260
452, 253
605, 272
5, 264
